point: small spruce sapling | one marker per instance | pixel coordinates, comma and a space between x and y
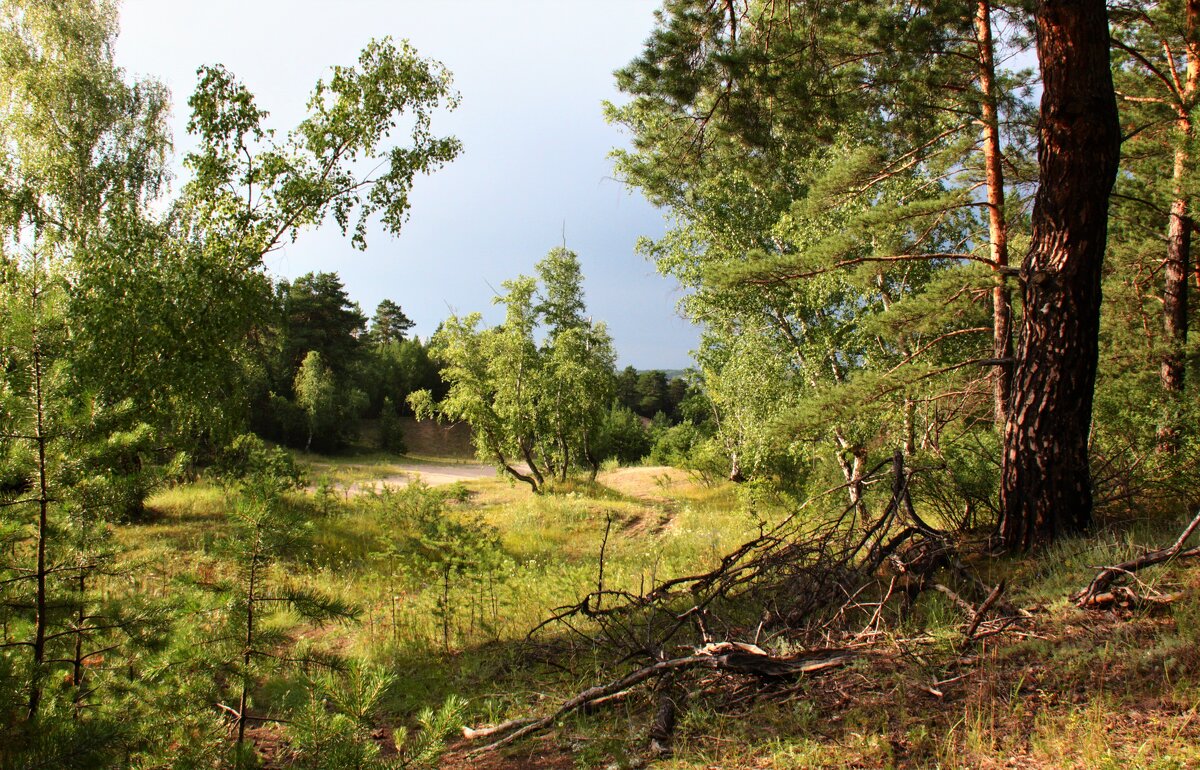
442, 550
266, 529
334, 729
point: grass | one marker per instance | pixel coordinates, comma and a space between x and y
1077, 690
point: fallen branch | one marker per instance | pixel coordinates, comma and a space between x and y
1123, 596
991, 599
1002, 604
479, 733
727, 657
1099, 585
671, 699
967, 608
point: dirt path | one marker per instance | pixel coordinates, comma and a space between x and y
651, 484
404, 473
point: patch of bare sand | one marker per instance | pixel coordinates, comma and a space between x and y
432, 474
650, 482
652, 485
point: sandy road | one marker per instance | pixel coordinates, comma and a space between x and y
404, 473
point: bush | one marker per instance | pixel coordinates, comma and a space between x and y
391, 435
674, 445
286, 422
248, 456
622, 436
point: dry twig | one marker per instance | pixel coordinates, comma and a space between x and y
1097, 593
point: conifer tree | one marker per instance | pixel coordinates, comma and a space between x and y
1046, 485
821, 161
266, 528
1156, 58
64, 632
389, 324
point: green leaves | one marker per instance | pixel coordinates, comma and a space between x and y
85, 147
820, 162
336, 163
542, 405
252, 191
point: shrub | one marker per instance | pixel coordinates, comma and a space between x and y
622, 436
674, 445
248, 456
391, 435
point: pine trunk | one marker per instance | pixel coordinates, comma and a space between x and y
1046, 485
997, 224
1179, 228
1175, 290
77, 669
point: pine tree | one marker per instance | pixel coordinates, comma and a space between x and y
822, 161
1046, 478
1156, 57
265, 528
389, 324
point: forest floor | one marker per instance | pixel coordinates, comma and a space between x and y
1070, 688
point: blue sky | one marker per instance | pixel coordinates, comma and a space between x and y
532, 74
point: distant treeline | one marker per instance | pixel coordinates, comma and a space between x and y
325, 367
650, 391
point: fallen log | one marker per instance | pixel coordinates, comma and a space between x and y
1123, 596
727, 657
1099, 585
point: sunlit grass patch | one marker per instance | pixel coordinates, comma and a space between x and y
451, 579
201, 500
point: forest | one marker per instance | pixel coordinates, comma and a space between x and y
926, 498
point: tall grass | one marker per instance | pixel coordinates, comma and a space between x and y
456, 631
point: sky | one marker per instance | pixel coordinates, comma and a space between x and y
533, 75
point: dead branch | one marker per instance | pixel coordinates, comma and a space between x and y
967, 608
1099, 585
991, 599
671, 700
813, 579
1126, 597
1002, 604
725, 657
479, 733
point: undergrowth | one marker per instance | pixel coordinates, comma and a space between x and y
450, 580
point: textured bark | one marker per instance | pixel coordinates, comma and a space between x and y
1175, 291
997, 224
1046, 486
